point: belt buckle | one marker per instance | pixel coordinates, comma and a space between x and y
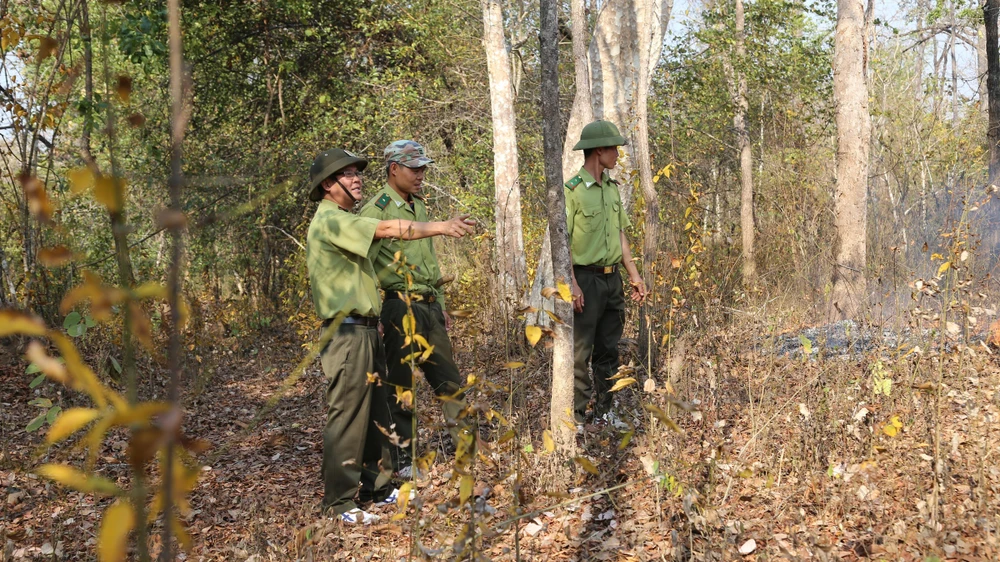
609, 269
430, 299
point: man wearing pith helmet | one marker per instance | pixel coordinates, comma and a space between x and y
596, 223
408, 271
356, 457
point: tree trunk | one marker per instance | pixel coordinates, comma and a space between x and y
652, 17
981, 72
850, 92
510, 244
561, 408
738, 93
991, 11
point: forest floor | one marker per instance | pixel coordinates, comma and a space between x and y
776, 458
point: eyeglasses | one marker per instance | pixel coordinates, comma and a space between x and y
350, 175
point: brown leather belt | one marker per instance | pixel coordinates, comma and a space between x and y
605, 269
427, 299
355, 320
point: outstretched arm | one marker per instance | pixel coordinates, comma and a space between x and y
456, 227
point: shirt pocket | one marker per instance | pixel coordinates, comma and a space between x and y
616, 216
589, 219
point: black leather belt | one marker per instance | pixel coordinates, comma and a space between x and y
605, 269
355, 320
394, 295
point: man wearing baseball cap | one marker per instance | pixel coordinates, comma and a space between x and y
412, 282
345, 294
596, 223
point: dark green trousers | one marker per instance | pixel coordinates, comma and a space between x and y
354, 450
439, 370
596, 332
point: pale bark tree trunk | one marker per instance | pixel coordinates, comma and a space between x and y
981, 72
561, 408
990, 12
738, 94
850, 92
652, 18
509, 242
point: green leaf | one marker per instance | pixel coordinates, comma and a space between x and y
42, 402
53, 413
114, 363
89, 322
36, 423
72, 319
32, 368
36, 381
807, 344
77, 330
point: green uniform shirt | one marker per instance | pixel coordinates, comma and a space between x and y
340, 274
595, 218
420, 257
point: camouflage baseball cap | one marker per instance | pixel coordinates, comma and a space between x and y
408, 153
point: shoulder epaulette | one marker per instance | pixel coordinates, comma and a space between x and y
571, 184
383, 201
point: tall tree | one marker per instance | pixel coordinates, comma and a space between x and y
510, 244
991, 11
850, 91
737, 80
561, 407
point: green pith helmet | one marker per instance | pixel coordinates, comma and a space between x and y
599, 134
328, 163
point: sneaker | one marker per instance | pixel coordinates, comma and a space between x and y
355, 516
612, 419
394, 497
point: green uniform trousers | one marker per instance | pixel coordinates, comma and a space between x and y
354, 450
439, 370
596, 332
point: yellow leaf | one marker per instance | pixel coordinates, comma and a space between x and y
548, 442
180, 531
109, 191
404, 397
662, 416
142, 413
626, 439
510, 434
77, 480
564, 292
465, 489
513, 365
55, 257
422, 341
113, 537
52, 368
944, 267
80, 180
69, 422
895, 422
745, 473
533, 333
548, 292
622, 383
403, 498
554, 318
150, 290
408, 324
12, 322
890, 430
459, 313
586, 465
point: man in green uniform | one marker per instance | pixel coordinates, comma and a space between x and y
596, 223
345, 293
415, 275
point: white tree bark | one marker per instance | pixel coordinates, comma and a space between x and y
510, 260
738, 93
850, 91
